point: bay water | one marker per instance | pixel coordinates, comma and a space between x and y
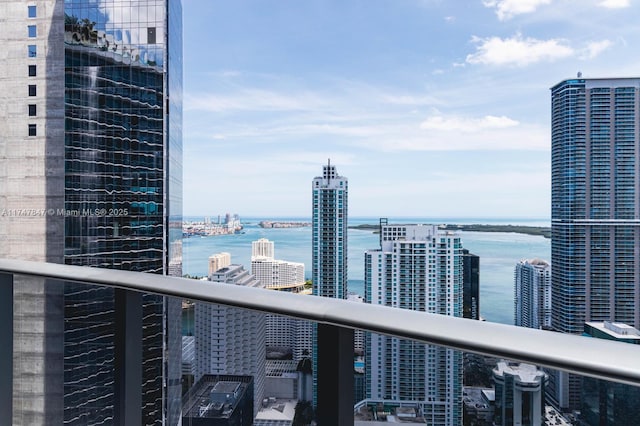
499, 253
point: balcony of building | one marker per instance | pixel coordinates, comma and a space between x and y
336, 319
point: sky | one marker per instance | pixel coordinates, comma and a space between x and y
431, 108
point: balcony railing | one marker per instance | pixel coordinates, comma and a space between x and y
336, 321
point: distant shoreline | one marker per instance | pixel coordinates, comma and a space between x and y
543, 231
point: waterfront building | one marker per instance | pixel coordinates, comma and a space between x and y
218, 261
329, 229
470, 285
87, 140
284, 335
417, 267
329, 241
519, 394
231, 340
607, 403
532, 298
262, 248
595, 219
274, 273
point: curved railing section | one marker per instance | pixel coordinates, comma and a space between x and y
577, 354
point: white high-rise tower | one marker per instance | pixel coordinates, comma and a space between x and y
329, 243
533, 294
262, 248
417, 267
330, 234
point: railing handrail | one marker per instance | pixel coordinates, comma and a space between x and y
592, 357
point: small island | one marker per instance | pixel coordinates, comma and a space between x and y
282, 224
543, 231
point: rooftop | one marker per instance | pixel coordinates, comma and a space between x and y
215, 396
616, 330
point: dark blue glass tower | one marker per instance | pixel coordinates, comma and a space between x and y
595, 199
123, 188
595, 196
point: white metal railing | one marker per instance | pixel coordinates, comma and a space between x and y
577, 354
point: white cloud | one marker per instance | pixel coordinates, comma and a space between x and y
517, 51
595, 48
459, 134
254, 100
615, 4
506, 9
465, 124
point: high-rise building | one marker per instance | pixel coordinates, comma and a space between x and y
532, 298
520, 392
274, 273
231, 340
595, 194
417, 267
262, 248
470, 285
329, 243
91, 165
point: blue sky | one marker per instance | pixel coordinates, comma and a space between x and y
431, 108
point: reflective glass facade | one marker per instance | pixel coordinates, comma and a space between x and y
122, 192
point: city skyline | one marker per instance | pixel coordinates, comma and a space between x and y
453, 101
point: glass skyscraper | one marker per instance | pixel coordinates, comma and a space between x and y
595, 202
100, 156
595, 196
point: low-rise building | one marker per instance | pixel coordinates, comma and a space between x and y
219, 400
519, 394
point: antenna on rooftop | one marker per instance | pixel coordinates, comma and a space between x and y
579, 74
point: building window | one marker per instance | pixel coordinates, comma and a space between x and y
32, 110
32, 51
32, 90
32, 11
31, 29
32, 70
151, 35
32, 130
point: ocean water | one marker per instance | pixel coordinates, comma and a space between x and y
499, 253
